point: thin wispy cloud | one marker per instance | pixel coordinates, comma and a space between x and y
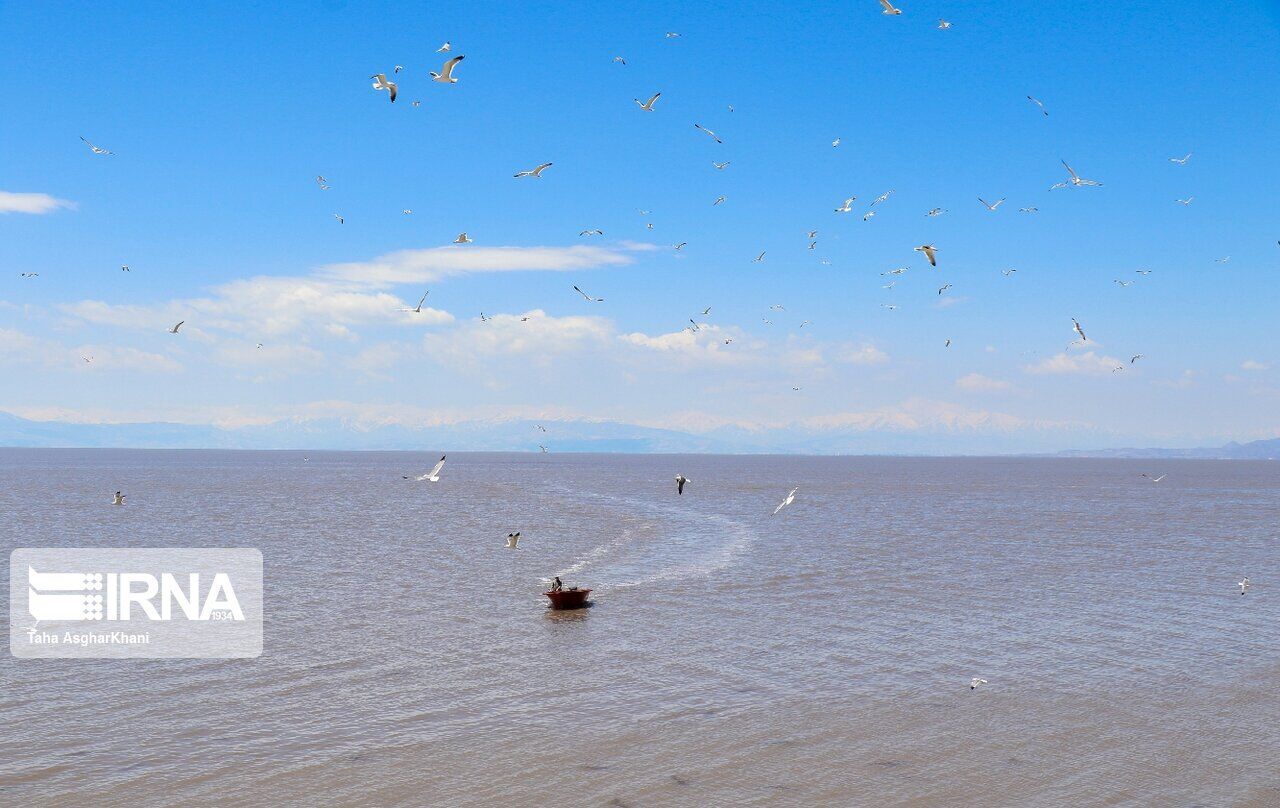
437, 263
977, 383
11, 202
1074, 364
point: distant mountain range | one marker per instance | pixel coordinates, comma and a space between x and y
572, 436
1254, 450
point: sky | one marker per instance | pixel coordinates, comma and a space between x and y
221, 119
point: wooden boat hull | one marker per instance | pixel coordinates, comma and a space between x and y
568, 598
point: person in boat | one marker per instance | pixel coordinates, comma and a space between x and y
557, 585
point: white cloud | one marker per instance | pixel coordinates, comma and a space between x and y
17, 348
1065, 364
864, 354
1252, 364
31, 203
434, 263
533, 333
977, 383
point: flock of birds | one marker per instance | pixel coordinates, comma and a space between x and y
389, 83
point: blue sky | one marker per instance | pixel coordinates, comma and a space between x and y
221, 119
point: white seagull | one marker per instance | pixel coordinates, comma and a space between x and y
380, 82
445, 76
592, 232
936, 212
588, 297
791, 497
433, 475
418, 308
1076, 325
1075, 180
720, 166
943, 25
1244, 585
709, 132
991, 206
533, 172
1182, 161
847, 207
889, 9
463, 238
174, 330
444, 48
1037, 102
96, 149
1186, 201
930, 252
513, 541
1155, 479
975, 681
647, 106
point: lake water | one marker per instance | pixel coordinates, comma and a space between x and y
818, 657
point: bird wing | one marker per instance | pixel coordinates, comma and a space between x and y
436, 469
446, 72
887, 5
1069, 171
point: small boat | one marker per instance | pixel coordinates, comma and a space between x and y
571, 598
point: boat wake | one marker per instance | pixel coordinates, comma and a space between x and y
661, 543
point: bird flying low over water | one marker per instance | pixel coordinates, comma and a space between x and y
433, 475
513, 541
445, 76
790, 498
975, 681
1244, 585
930, 252
647, 106
680, 481
1155, 479
380, 82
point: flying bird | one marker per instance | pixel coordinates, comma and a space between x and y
866, 217
444, 48
118, 499
944, 288
445, 76
719, 199
1155, 479
174, 330
709, 132
847, 207
592, 233
588, 297
1008, 272
407, 212
975, 681
790, 498
991, 206
1075, 179
706, 311
340, 219
418, 308
397, 68
1038, 103
1244, 585
619, 60
720, 166
96, 149
433, 475
1135, 358
943, 25
889, 9
533, 172
1182, 161
884, 197
835, 142
936, 212
647, 106
1186, 201
672, 35
463, 238
1079, 330
680, 481
930, 252
124, 268
380, 82
758, 259
680, 246
322, 182
1029, 210
513, 541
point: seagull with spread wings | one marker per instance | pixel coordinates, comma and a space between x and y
647, 106
588, 297
535, 172
445, 76
709, 132
790, 498
381, 82
930, 252
430, 476
889, 9
991, 206
96, 149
